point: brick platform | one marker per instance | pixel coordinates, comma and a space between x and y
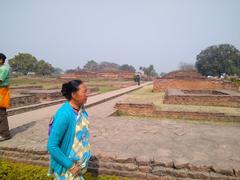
149, 110
202, 97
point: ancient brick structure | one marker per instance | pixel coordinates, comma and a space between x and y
133, 109
202, 97
130, 167
189, 80
149, 110
24, 100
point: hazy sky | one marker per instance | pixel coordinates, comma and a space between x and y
68, 33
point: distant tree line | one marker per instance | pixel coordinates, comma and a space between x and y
109, 66
103, 66
25, 63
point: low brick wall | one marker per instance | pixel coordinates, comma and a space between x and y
228, 101
24, 101
136, 109
198, 97
162, 84
132, 167
53, 94
150, 111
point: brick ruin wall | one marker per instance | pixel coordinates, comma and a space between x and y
205, 100
149, 110
191, 74
163, 84
24, 101
132, 167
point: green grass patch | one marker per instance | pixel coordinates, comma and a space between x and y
54, 83
12, 171
104, 89
45, 82
19, 171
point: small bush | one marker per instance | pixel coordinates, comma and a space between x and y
12, 171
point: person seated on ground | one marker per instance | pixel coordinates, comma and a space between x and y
68, 143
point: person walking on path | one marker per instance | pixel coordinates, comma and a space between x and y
68, 142
4, 99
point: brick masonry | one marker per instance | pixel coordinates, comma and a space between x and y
189, 80
150, 110
162, 84
24, 100
202, 97
129, 167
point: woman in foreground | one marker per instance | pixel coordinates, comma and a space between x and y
68, 142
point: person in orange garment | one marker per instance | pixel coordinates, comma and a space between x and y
4, 99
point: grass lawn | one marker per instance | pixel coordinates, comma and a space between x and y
145, 95
45, 82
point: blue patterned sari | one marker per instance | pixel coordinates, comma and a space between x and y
81, 151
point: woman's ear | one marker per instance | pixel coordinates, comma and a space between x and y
73, 95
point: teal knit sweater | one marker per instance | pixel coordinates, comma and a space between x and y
61, 139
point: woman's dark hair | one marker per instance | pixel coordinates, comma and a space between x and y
70, 87
3, 57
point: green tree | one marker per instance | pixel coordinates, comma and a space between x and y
108, 66
57, 71
23, 63
126, 67
218, 59
44, 68
149, 71
91, 66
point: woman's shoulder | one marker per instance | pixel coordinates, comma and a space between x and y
64, 110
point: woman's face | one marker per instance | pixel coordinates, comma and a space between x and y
80, 96
1, 62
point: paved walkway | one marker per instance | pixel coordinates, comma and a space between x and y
33, 125
146, 139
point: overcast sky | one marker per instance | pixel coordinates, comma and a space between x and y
68, 33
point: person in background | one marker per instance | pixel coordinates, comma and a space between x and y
68, 142
138, 79
4, 99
